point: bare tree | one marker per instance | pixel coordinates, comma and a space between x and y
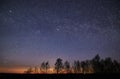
83, 66
67, 66
42, 67
58, 65
96, 64
76, 66
47, 66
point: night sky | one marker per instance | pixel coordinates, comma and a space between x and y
33, 31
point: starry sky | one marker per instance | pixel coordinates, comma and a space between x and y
32, 31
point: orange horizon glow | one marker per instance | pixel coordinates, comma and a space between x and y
21, 70
12, 70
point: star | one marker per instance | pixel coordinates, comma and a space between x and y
57, 29
10, 11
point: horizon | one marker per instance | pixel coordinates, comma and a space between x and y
51, 70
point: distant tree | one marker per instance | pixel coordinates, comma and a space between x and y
36, 70
29, 70
83, 64
67, 66
96, 58
86, 66
116, 67
105, 65
96, 64
47, 66
58, 65
77, 66
108, 65
42, 67
90, 67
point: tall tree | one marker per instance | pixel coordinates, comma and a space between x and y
67, 66
96, 64
77, 66
108, 65
42, 67
47, 66
105, 65
58, 65
83, 64
86, 66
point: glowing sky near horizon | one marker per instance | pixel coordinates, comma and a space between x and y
32, 31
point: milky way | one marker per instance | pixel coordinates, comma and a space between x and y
32, 31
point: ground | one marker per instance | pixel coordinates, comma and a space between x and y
59, 76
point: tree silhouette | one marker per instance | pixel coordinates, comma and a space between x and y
36, 70
116, 67
58, 65
67, 66
96, 58
105, 65
47, 66
108, 65
77, 66
83, 66
86, 66
29, 70
42, 67
96, 64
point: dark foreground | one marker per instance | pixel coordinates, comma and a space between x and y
59, 76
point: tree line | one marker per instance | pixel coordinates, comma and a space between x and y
95, 65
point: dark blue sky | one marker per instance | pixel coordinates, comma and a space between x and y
32, 31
